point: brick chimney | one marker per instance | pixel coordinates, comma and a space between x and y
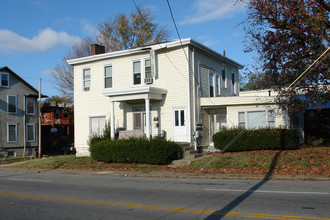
97, 49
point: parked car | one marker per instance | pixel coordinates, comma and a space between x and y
68, 149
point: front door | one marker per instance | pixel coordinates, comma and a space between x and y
140, 121
180, 127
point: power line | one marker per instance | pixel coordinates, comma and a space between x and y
309, 67
176, 28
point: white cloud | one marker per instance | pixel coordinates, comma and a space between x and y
46, 72
88, 27
46, 39
206, 10
208, 41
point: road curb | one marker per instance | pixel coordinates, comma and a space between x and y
169, 174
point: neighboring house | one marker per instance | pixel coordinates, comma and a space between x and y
183, 91
56, 126
18, 115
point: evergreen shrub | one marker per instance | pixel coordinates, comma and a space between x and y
135, 150
260, 139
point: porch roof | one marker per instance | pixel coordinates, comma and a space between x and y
236, 100
145, 92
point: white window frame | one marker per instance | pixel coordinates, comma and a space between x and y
217, 84
15, 104
224, 81
144, 67
211, 76
34, 106
83, 81
4, 73
27, 132
142, 71
9, 124
141, 74
233, 82
90, 122
105, 66
246, 126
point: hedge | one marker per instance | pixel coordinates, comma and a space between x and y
135, 150
261, 139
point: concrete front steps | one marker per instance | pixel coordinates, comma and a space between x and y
188, 152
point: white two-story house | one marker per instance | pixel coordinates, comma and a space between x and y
183, 91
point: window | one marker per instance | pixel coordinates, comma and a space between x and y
142, 73
147, 68
30, 133
12, 132
233, 89
108, 77
97, 125
211, 84
217, 85
136, 72
30, 106
224, 79
257, 119
86, 79
4, 79
179, 119
12, 104
241, 119
271, 118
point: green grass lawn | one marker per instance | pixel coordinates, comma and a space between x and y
307, 160
85, 163
13, 160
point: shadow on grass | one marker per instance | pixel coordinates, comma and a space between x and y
233, 204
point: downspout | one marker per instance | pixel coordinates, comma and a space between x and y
24, 126
194, 95
189, 97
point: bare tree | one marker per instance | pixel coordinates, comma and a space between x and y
131, 31
122, 32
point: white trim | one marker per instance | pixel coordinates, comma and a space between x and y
82, 78
112, 66
177, 43
9, 123
34, 105
4, 73
14, 113
27, 132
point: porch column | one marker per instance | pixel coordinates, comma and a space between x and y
147, 117
112, 121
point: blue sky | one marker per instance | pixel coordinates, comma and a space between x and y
35, 34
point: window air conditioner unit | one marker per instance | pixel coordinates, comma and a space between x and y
148, 80
86, 89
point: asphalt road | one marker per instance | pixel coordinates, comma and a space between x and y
63, 196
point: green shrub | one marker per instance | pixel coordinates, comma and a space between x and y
135, 150
261, 139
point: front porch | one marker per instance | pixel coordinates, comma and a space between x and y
137, 101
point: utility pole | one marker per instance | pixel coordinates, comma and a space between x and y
39, 120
